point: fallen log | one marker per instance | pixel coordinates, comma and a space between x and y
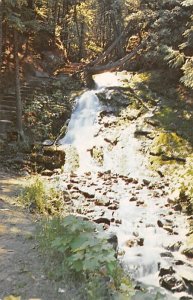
110, 67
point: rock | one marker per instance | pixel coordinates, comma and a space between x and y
140, 241
188, 252
128, 179
159, 223
131, 243
166, 271
113, 240
47, 143
47, 173
175, 247
87, 194
140, 202
146, 182
135, 242
132, 199
135, 181
113, 206
166, 254
172, 283
168, 229
102, 202
102, 220
187, 276
111, 141
177, 207
117, 221
178, 262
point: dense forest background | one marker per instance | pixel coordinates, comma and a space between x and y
48, 34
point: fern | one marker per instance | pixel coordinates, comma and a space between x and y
187, 68
174, 58
187, 2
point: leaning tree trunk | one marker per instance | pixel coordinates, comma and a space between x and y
113, 66
18, 89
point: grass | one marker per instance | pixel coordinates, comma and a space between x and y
43, 198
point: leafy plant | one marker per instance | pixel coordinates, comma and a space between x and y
80, 248
79, 243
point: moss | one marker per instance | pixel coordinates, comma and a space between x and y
97, 154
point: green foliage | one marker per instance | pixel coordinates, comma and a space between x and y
174, 58
183, 178
42, 197
79, 249
79, 245
187, 79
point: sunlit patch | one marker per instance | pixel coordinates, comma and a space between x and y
107, 79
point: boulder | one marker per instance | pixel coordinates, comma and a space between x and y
188, 252
172, 283
166, 271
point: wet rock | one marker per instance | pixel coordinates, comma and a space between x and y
146, 182
128, 180
166, 271
140, 241
140, 202
186, 298
178, 262
177, 207
102, 220
135, 181
47, 173
113, 206
111, 141
135, 242
166, 254
102, 202
131, 243
142, 132
188, 252
47, 143
113, 240
172, 283
156, 194
117, 221
159, 223
168, 229
175, 247
87, 194
132, 199
187, 276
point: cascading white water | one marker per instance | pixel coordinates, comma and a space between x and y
82, 126
126, 159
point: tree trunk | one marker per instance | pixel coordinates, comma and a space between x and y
99, 59
112, 66
18, 90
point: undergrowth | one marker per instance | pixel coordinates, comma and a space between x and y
40, 196
79, 249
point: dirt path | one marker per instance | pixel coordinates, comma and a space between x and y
21, 266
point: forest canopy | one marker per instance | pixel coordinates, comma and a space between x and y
80, 31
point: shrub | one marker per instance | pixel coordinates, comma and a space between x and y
43, 197
80, 248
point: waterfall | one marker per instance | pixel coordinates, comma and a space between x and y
83, 123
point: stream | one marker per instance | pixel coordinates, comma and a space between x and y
112, 184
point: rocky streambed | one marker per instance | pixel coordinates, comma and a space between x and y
117, 188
